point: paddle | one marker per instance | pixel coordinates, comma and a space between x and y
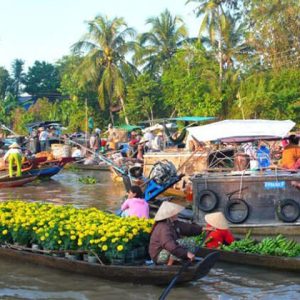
182, 269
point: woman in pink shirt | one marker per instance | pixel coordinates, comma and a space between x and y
135, 205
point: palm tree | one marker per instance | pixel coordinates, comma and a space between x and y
213, 22
104, 47
162, 41
17, 75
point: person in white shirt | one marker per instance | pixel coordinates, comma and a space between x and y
43, 138
158, 142
14, 156
148, 138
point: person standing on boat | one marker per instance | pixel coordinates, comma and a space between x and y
95, 141
291, 154
158, 142
90, 124
218, 232
43, 138
135, 205
14, 156
166, 243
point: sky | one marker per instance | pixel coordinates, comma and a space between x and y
45, 29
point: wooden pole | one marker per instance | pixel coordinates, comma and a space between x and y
86, 123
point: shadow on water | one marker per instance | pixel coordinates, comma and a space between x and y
26, 281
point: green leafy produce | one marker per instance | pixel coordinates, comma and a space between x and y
277, 246
88, 180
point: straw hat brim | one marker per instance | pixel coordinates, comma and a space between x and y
14, 145
167, 210
216, 220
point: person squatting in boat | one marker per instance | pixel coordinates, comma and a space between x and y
217, 230
135, 205
166, 242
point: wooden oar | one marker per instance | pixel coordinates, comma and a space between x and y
182, 269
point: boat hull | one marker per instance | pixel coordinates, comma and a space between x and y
9, 182
262, 195
45, 172
142, 274
289, 264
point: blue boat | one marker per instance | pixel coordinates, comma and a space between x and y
45, 171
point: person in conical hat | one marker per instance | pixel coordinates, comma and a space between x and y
218, 230
166, 243
168, 210
14, 156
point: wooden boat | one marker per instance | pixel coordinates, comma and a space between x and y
45, 171
7, 182
291, 264
142, 274
49, 168
91, 167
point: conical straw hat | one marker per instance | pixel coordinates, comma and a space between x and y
167, 210
14, 145
216, 220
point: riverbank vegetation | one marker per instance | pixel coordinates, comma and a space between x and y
243, 64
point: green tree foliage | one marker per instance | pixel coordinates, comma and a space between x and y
157, 46
271, 95
104, 47
20, 118
42, 80
144, 100
5, 82
274, 30
17, 76
190, 84
7, 105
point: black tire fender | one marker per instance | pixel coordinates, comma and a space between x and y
228, 207
280, 210
213, 200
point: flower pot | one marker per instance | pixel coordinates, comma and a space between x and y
140, 252
85, 257
35, 247
73, 256
58, 254
92, 259
131, 256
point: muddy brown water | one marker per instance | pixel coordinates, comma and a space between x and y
26, 281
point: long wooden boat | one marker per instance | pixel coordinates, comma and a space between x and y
142, 274
291, 264
7, 182
91, 167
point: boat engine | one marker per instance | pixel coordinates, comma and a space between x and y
162, 176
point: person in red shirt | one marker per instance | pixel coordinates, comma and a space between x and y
218, 232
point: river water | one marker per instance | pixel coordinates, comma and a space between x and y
26, 281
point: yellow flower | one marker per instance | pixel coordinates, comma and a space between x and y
79, 243
120, 248
103, 239
4, 232
73, 237
42, 238
59, 242
104, 248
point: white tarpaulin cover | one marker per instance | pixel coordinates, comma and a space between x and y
241, 128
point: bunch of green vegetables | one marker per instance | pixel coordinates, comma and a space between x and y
88, 180
278, 246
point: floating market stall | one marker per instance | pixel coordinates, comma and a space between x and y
260, 198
